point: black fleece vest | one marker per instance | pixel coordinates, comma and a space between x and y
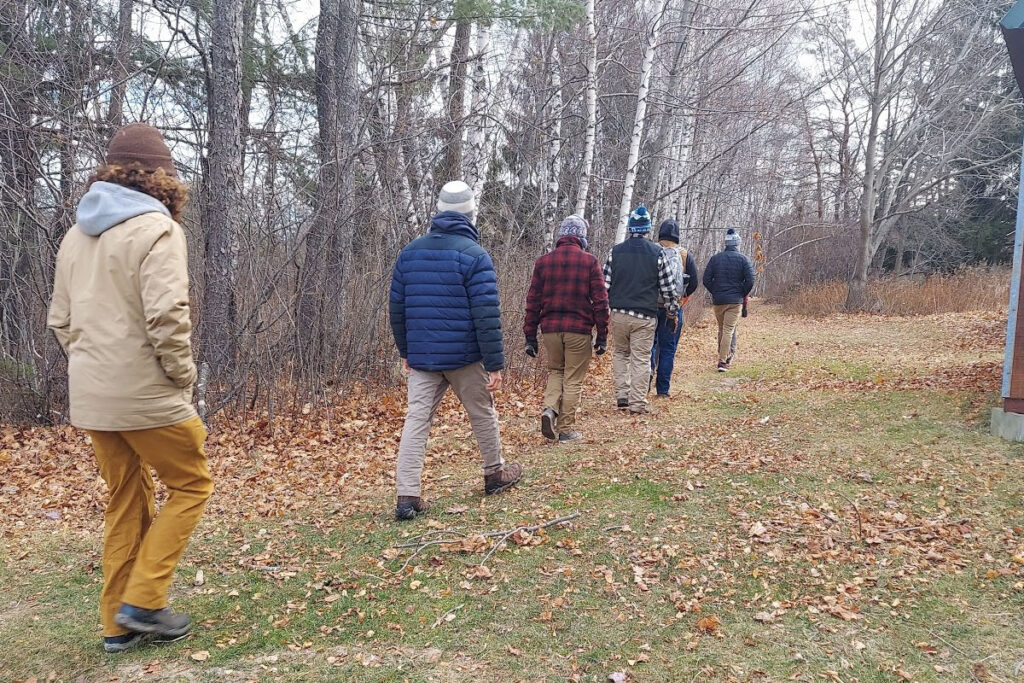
635, 276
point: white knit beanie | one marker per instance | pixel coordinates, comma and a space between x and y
457, 196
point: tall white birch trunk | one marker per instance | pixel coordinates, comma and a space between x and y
479, 107
554, 151
588, 150
638, 124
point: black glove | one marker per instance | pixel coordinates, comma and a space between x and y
672, 319
531, 348
744, 312
600, 346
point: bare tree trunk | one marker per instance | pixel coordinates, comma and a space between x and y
857, 296
588, 150
329, 240
476, 158
452, 167
638, 124
223, 189
122, 56
554, 147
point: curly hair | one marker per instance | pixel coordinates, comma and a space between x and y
171, 192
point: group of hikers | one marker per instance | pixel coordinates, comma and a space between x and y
120, 309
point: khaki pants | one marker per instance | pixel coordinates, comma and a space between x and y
568, 356
728, 317
140, 552
631, 358
426, 389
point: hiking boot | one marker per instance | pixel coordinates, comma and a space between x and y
410, 506
505, 478
162, 622
113, 645
622, 403
567, 437
661, 396
723, 366
643, 410
547, 424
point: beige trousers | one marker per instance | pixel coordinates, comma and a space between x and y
633, 339
728, 317
568, 356
426, 389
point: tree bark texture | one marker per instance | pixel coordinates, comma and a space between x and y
223, 189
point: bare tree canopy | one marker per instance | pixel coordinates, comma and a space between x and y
842, 139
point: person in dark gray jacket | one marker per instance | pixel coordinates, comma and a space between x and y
728, 277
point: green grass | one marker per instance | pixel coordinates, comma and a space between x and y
706, 509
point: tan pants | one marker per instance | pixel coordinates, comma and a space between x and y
426, 389
140, 552
728, 317
631, 358
568, 356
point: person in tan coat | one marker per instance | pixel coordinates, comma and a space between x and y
120, 309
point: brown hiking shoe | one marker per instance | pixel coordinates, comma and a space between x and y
410, 506
505, 478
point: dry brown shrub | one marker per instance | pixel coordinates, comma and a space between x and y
970, 289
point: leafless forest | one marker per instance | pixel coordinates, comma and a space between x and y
846, 139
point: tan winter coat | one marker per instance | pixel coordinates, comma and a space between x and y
120, 310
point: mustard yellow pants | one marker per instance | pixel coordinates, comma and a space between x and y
140, 552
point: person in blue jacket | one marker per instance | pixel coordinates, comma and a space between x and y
446, 319
729, 277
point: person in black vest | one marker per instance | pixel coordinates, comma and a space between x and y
636, 274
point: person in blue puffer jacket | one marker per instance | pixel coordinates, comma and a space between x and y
729, 278
446, 319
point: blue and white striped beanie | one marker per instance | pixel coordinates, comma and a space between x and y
639, 220
458, 197
732, 238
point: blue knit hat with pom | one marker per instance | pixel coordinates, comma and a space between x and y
732, 238
639, 220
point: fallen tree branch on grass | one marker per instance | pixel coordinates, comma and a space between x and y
452, 536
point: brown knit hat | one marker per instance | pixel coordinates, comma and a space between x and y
142, 144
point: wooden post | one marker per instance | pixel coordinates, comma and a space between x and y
1013, 366
1012, 26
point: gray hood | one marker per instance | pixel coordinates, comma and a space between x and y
108, 204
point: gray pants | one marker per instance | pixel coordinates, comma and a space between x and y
426, 389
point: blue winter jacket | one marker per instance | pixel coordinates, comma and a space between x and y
445, 312
729, 277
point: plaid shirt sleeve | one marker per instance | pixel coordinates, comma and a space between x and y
667, 284
534, 303
608, 272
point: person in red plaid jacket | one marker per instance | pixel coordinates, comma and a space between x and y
567, 299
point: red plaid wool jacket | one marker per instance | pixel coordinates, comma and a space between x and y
567, 293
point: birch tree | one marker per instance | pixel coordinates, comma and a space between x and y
591, 112
638, 122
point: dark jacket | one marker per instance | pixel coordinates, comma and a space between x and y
444, 306
636, 273
567, 293
729, 276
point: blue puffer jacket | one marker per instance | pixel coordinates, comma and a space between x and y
444, 306
729, 277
